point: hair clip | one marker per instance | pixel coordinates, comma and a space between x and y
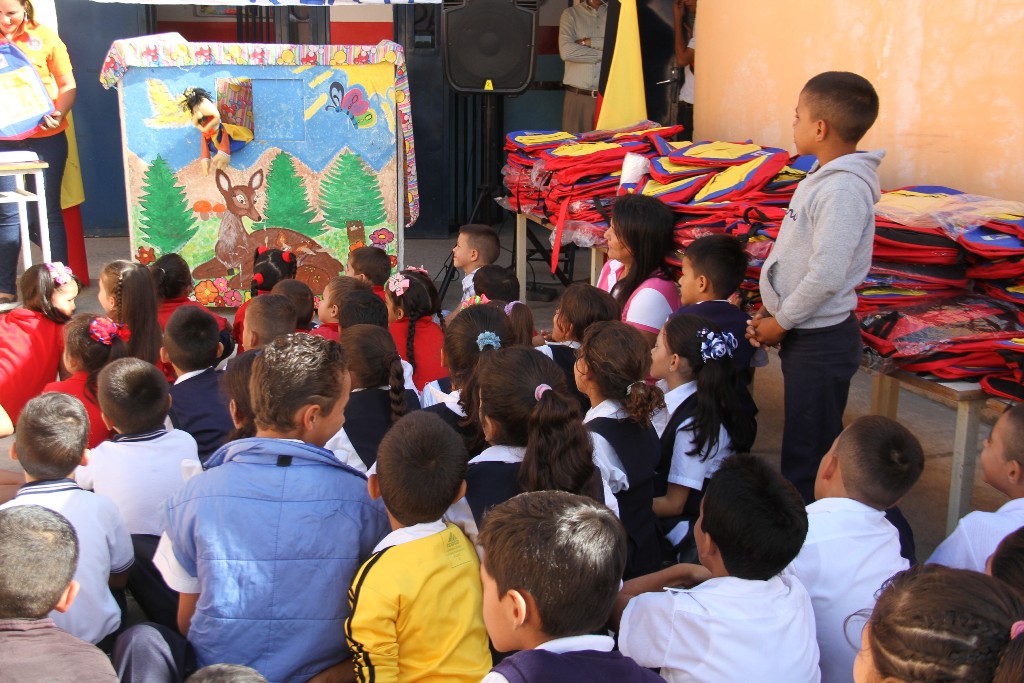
539, 391
1016, 629
421, 270
487, 338
104, 330
60, 273
715, 346
629, 389
397, 284
510, 304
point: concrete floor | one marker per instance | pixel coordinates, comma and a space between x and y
934, 424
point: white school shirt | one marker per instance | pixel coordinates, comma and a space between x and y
546, 348
344, 451
687, 470
139, 472
104, 548
725, 630
850, 551
560, 646
605, 457
977, 536
468, 291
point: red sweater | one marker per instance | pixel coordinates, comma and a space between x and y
169, 306
75, 386
31, 346
327, 331
427, 343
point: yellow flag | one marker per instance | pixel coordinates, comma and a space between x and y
72, 192
624, 103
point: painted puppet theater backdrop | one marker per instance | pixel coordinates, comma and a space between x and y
230, 147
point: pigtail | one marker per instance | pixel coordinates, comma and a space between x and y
396, 385
559, 453
172, 278
234, 384
617, 358
520, 319
410, 348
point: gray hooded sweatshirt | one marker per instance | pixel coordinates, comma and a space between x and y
825, 243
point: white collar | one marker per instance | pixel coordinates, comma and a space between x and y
606, 408
570, 344
675, 398
839, 504
1013, 505
450, 400
410, 533
189, 375
577, 643
506, 454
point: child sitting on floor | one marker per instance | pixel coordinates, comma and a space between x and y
301, 297
613, 362
478, 245
50, 443
371, 265
336, 293
1002, 465
751, 623
412, 302
423, 578
851, 550
580, 307
933, 623
140, 468
379, 397
549, 611
495, 282
32, 337
198, 406
38, 555
270, 266
90, 342
173, 281
1007, 562
269, 317
128, 297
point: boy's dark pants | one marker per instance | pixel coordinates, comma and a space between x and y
817, 366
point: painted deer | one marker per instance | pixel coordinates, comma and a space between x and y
235, 245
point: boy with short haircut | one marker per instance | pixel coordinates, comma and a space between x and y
263, 545
549, 610
301, 296
712, 268
423, 577
822, 253
478, 245
268, 317
198, 405
747, 618
38, 555
851, 549
1002, 465
362, 308
371, 265
336, 292
50, 442
497, 283
141, 466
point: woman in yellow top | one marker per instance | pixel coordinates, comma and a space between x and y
50, 58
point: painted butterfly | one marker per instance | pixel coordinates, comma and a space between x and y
353, 104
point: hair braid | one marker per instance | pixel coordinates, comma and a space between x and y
409, 341
118, 313
396, 385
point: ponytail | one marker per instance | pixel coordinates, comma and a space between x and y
618, 360
524, 393
520, 319
700, 342
171, 277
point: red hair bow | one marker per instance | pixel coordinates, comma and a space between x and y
105, 330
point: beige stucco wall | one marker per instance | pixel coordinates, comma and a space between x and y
949, 73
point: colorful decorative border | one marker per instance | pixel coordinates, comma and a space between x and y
171, 49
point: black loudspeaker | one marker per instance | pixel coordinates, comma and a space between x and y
490, 45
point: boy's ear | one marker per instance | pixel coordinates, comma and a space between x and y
164, 356
1014, 471
236, 418
460, 494
519, 605
829, 466
220, 349
106, 421
373, 486
703, 284
474, 255
67, 597
821, 130
85, 458
12, 452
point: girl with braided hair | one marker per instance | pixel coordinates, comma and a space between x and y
379, 397
269, 266
933, 623
128, 297
412, 303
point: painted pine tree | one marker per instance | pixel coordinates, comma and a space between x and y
349, 192
288, 204
167, 222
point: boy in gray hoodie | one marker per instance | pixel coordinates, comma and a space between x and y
822, 253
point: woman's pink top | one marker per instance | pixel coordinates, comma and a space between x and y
649, 307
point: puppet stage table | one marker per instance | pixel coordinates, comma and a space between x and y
596, 253
22, 197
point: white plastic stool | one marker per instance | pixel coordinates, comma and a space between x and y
21, 196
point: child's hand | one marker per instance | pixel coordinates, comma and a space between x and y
764, 330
